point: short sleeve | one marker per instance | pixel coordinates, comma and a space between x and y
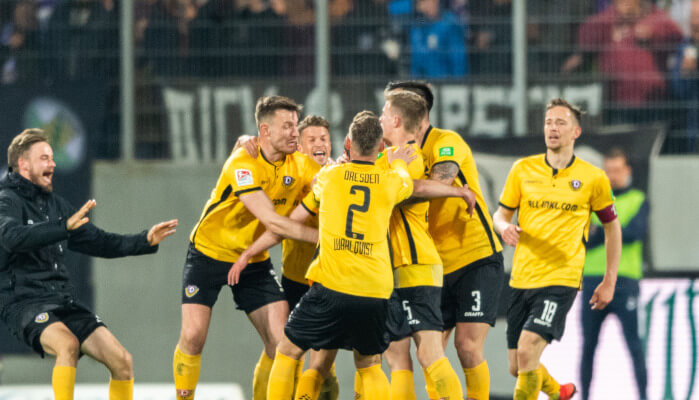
404, 182
512, 193
602, 196
243, 176
311, 202
449, 148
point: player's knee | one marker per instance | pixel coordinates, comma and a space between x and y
121, 365
525, 355
468, 350
69, 349
192, 341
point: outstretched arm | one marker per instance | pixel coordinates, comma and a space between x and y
425, 189
264, 242
262, 208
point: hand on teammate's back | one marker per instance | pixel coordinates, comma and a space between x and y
405, 153
79, 219
250, 143
160, 231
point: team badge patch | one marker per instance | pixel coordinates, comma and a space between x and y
288, 180
575, 184
243, 177
191, 290
41, 318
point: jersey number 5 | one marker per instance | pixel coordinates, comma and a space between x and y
364, 207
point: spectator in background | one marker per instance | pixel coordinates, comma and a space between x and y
437, 43
685, 78
82, 41
491, 24
362, 44
632, 209
166, 41
552, 26
19, 42
631, 41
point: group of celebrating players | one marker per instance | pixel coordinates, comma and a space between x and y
383, 245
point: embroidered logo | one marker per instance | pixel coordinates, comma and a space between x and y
575, 184
288, 180
446, 151
243, 177
41, 318
191, 290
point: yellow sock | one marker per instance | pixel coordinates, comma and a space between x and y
374, 383
478, 381
63, 382
121, 390
528, 385
358, 387
308, 387
549, 385
260, 378
330, 390
445, 380
429, 387
402, 385
185, 368
281, 378
298, 373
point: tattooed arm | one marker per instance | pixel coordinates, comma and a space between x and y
444, 172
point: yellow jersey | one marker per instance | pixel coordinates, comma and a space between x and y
226, 227
554, 214
354, 202
408, 233
297, 255
460, 239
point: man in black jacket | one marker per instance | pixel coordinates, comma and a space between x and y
36, 297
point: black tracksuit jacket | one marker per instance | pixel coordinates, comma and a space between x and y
34, 239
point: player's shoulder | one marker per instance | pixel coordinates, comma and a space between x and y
440, 135
241, 156
529, 161
588, 168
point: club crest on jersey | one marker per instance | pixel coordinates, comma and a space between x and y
575, 184
243, 177
191, 290
41, 318
288, 180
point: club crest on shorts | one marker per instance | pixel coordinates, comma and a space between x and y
41, 318
575, 184
288, 180
191, 290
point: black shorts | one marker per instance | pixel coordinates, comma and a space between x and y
293, 291
203, 277
326, 319
542, 311
28, 320
472, 293
414, 309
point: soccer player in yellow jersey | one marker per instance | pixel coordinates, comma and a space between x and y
554, 194
314, 141
415, 303
251, 194
469, 249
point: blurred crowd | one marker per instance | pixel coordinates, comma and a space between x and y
645, 51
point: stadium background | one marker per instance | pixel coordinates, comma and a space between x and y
144, 99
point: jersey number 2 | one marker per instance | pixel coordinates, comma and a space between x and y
364, 207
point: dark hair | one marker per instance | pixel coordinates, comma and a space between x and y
267, 105
365, 132
616, 152
411, 107
22, 143
421, 88
313, 120
577, 112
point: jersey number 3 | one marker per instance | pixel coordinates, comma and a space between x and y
364, 207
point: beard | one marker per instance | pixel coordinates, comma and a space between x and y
39, 179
